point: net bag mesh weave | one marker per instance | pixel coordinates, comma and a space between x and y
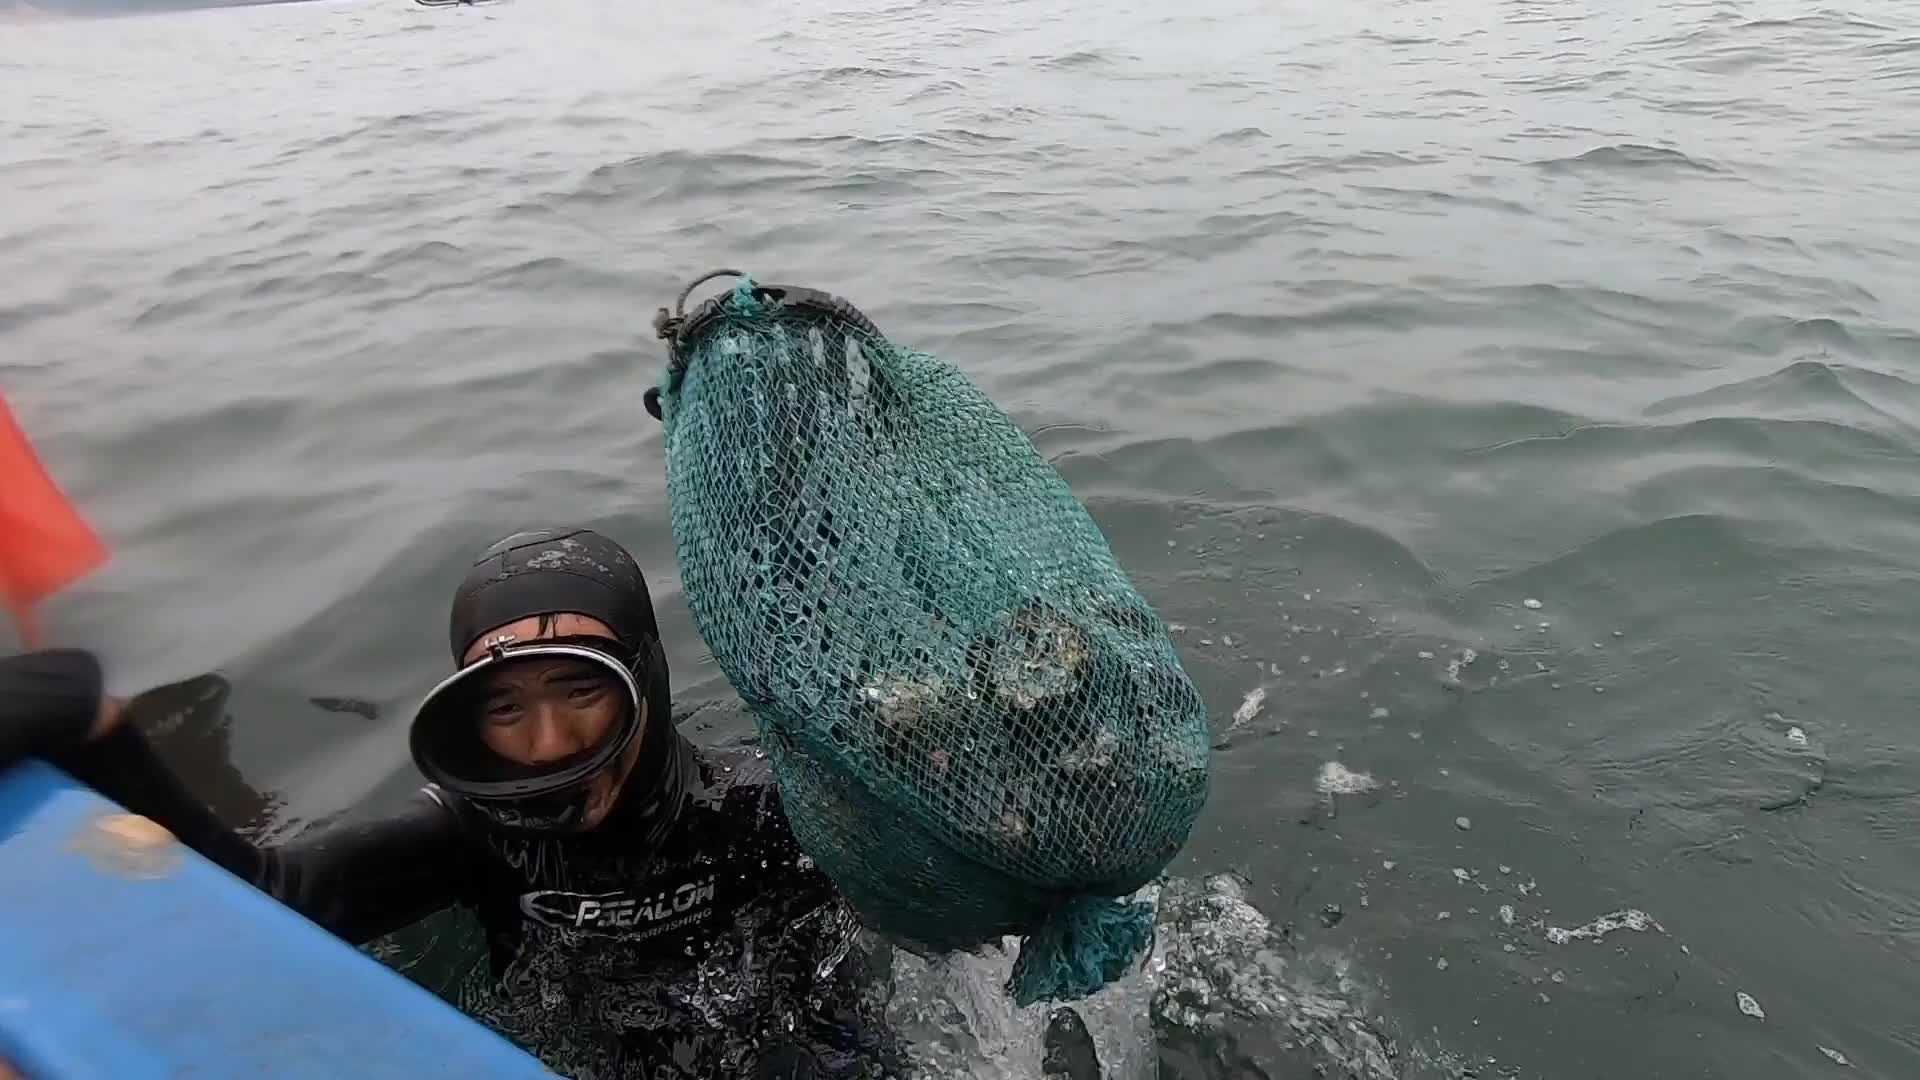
978, 726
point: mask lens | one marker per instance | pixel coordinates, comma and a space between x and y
553, 688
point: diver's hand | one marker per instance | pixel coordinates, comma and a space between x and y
112, 710
51, 702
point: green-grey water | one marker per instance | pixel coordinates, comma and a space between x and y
1524, 395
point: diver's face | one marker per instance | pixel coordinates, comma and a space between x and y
542, 711
545, 710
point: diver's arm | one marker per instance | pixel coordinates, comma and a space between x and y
50, 701
357, 879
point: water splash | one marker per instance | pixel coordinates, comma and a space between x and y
961, 1024
1228, 992
1224, 989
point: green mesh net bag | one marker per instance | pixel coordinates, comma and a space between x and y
978, 726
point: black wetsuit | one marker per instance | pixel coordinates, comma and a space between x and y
716, 951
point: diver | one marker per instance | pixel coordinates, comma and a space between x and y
646, 909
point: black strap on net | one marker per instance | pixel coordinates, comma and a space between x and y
677, 327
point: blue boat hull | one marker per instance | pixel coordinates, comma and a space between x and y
124, 956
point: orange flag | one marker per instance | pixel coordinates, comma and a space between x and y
45, 545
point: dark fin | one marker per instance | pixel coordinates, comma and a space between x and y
786, 1061
1067, 1051
366, 710
190, 728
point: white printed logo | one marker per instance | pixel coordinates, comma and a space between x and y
620, 911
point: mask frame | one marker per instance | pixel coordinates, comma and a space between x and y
445, 744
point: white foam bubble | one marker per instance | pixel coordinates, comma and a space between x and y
1250, 707
1627, 919
1337, 779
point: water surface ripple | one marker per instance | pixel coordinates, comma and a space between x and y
1358, 326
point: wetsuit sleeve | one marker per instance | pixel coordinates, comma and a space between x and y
358, 879
48, 702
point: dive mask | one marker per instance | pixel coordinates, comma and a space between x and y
447, 747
